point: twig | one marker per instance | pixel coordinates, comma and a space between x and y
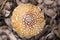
3, 4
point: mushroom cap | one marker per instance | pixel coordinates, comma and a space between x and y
27, 20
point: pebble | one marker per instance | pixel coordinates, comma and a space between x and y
4, 37
57, 31
18, 2
49, 12
50, 36
1, 1
41, 6
8, 5
54, 4
6, 13
8, 21
58, 2
39, 1
48, 2
24, 1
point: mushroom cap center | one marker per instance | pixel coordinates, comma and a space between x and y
29, 19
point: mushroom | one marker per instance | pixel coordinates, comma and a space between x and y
27, 20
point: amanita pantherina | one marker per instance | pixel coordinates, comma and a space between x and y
27, 20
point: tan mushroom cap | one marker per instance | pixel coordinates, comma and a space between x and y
27, 20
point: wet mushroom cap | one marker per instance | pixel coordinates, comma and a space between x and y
27, 20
